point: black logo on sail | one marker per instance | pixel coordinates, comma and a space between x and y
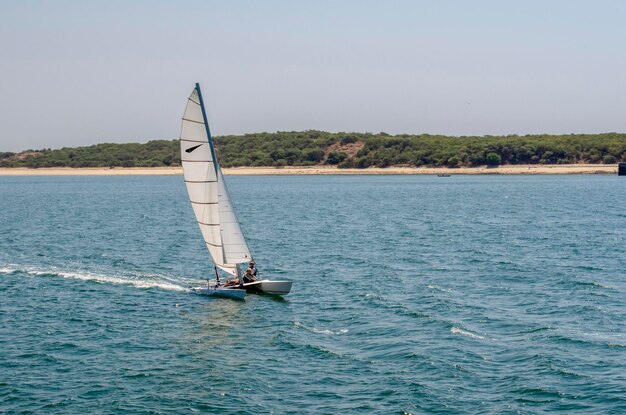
190, 149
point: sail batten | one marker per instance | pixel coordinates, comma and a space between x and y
192, 141
190, 120
207, 190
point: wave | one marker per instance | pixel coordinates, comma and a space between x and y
592, 284
537, 395
374, 296
585, 338
315, 330
566, 373
438, 288
467, 333
393, 306
536, 330
316, 349
138, 280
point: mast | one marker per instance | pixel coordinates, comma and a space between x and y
206, 126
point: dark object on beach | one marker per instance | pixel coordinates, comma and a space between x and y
443, 175
621, 169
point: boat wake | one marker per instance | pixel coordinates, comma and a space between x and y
136, 280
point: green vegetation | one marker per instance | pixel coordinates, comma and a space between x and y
151, 154
493, 159
344, 150
275, 149
336, 157
427, 150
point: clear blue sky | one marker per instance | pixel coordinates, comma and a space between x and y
77, 73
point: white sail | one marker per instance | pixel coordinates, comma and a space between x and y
207, 191
235, 246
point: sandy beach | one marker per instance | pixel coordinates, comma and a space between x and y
319, 170
517, 169
92, 171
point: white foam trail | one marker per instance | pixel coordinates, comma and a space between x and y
122, 281
146, 281
456, 330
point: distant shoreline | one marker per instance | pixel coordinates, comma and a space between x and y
520, 169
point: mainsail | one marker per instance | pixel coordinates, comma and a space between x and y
207, 190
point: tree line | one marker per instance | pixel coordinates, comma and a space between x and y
358, 150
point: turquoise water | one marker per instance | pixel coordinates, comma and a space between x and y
411, 295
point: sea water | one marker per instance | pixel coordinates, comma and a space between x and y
412, 294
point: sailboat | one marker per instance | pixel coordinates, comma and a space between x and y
213, 208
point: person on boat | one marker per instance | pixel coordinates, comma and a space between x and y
249, 277
252, 268
231, 283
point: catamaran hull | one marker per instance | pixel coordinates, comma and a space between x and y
268, 287
237, 294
